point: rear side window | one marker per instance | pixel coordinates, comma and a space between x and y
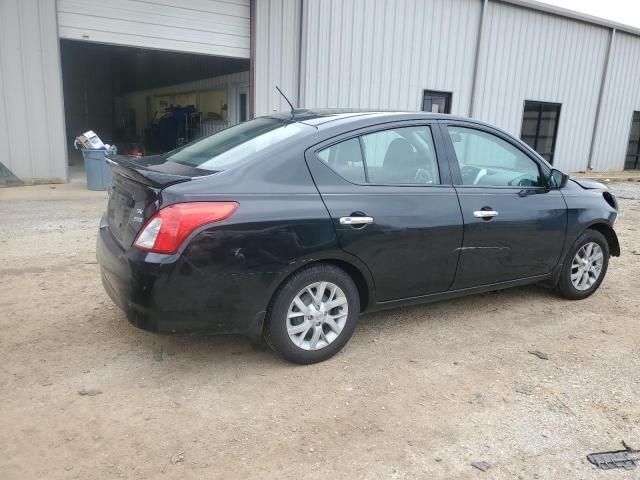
389, 157
345, 158
401, 156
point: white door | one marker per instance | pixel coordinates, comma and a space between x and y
211, 27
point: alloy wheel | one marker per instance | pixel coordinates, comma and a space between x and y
317, 315
586, 266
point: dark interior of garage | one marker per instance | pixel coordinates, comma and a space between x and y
148, 101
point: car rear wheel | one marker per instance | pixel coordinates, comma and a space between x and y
313, 314
585, 266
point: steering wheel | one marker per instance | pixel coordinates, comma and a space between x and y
522, 181
468, 173
471, 175
482, 173
423, 176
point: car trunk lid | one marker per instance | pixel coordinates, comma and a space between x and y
135, 193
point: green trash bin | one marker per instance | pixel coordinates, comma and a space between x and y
96, 168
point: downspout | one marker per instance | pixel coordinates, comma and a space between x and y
603, 81
300, 38
476, 61
252, 60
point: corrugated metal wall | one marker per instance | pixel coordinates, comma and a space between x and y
354, 53
381, 55
213, 27
528, 55
620, 98
32, 137
277, 41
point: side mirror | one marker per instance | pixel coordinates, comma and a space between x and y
557, 179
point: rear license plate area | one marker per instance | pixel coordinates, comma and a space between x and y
119, 211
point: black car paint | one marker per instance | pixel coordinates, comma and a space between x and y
224, 276
524, 240
412, 248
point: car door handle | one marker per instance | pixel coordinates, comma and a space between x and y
356, 220
485, 213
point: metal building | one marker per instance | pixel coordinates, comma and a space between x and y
567, 83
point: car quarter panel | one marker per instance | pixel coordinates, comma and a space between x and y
232, 268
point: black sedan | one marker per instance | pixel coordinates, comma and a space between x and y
292, 225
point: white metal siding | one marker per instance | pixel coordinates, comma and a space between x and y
621, 97
276, 60
213, 27
32, 137
382, 55
528, 55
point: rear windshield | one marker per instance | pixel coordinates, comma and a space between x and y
235, 144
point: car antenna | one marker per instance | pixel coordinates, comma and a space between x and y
293, 109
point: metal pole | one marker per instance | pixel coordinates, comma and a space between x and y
603, 81
252, 59
474, 82
300, 45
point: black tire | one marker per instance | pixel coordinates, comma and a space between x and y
565, 286
275, 331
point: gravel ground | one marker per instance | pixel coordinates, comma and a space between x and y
418, 393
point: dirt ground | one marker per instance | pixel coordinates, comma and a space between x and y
418, 393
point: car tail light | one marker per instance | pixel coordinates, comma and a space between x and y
167, 229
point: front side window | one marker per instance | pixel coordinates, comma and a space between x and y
487, 160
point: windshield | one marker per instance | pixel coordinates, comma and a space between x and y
235, 144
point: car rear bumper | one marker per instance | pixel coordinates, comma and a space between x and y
167, 294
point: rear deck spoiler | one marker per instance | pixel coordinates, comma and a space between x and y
139, 173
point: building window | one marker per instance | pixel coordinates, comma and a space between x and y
540, 127
436, 102
243, 107
632, 161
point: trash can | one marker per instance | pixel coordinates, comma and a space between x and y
97, 170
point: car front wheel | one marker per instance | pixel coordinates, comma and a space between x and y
313, 314
585, 266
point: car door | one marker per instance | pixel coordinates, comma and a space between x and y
392, 205
514, 226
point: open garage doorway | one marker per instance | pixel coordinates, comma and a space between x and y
147, 101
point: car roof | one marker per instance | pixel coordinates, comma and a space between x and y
323, 116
